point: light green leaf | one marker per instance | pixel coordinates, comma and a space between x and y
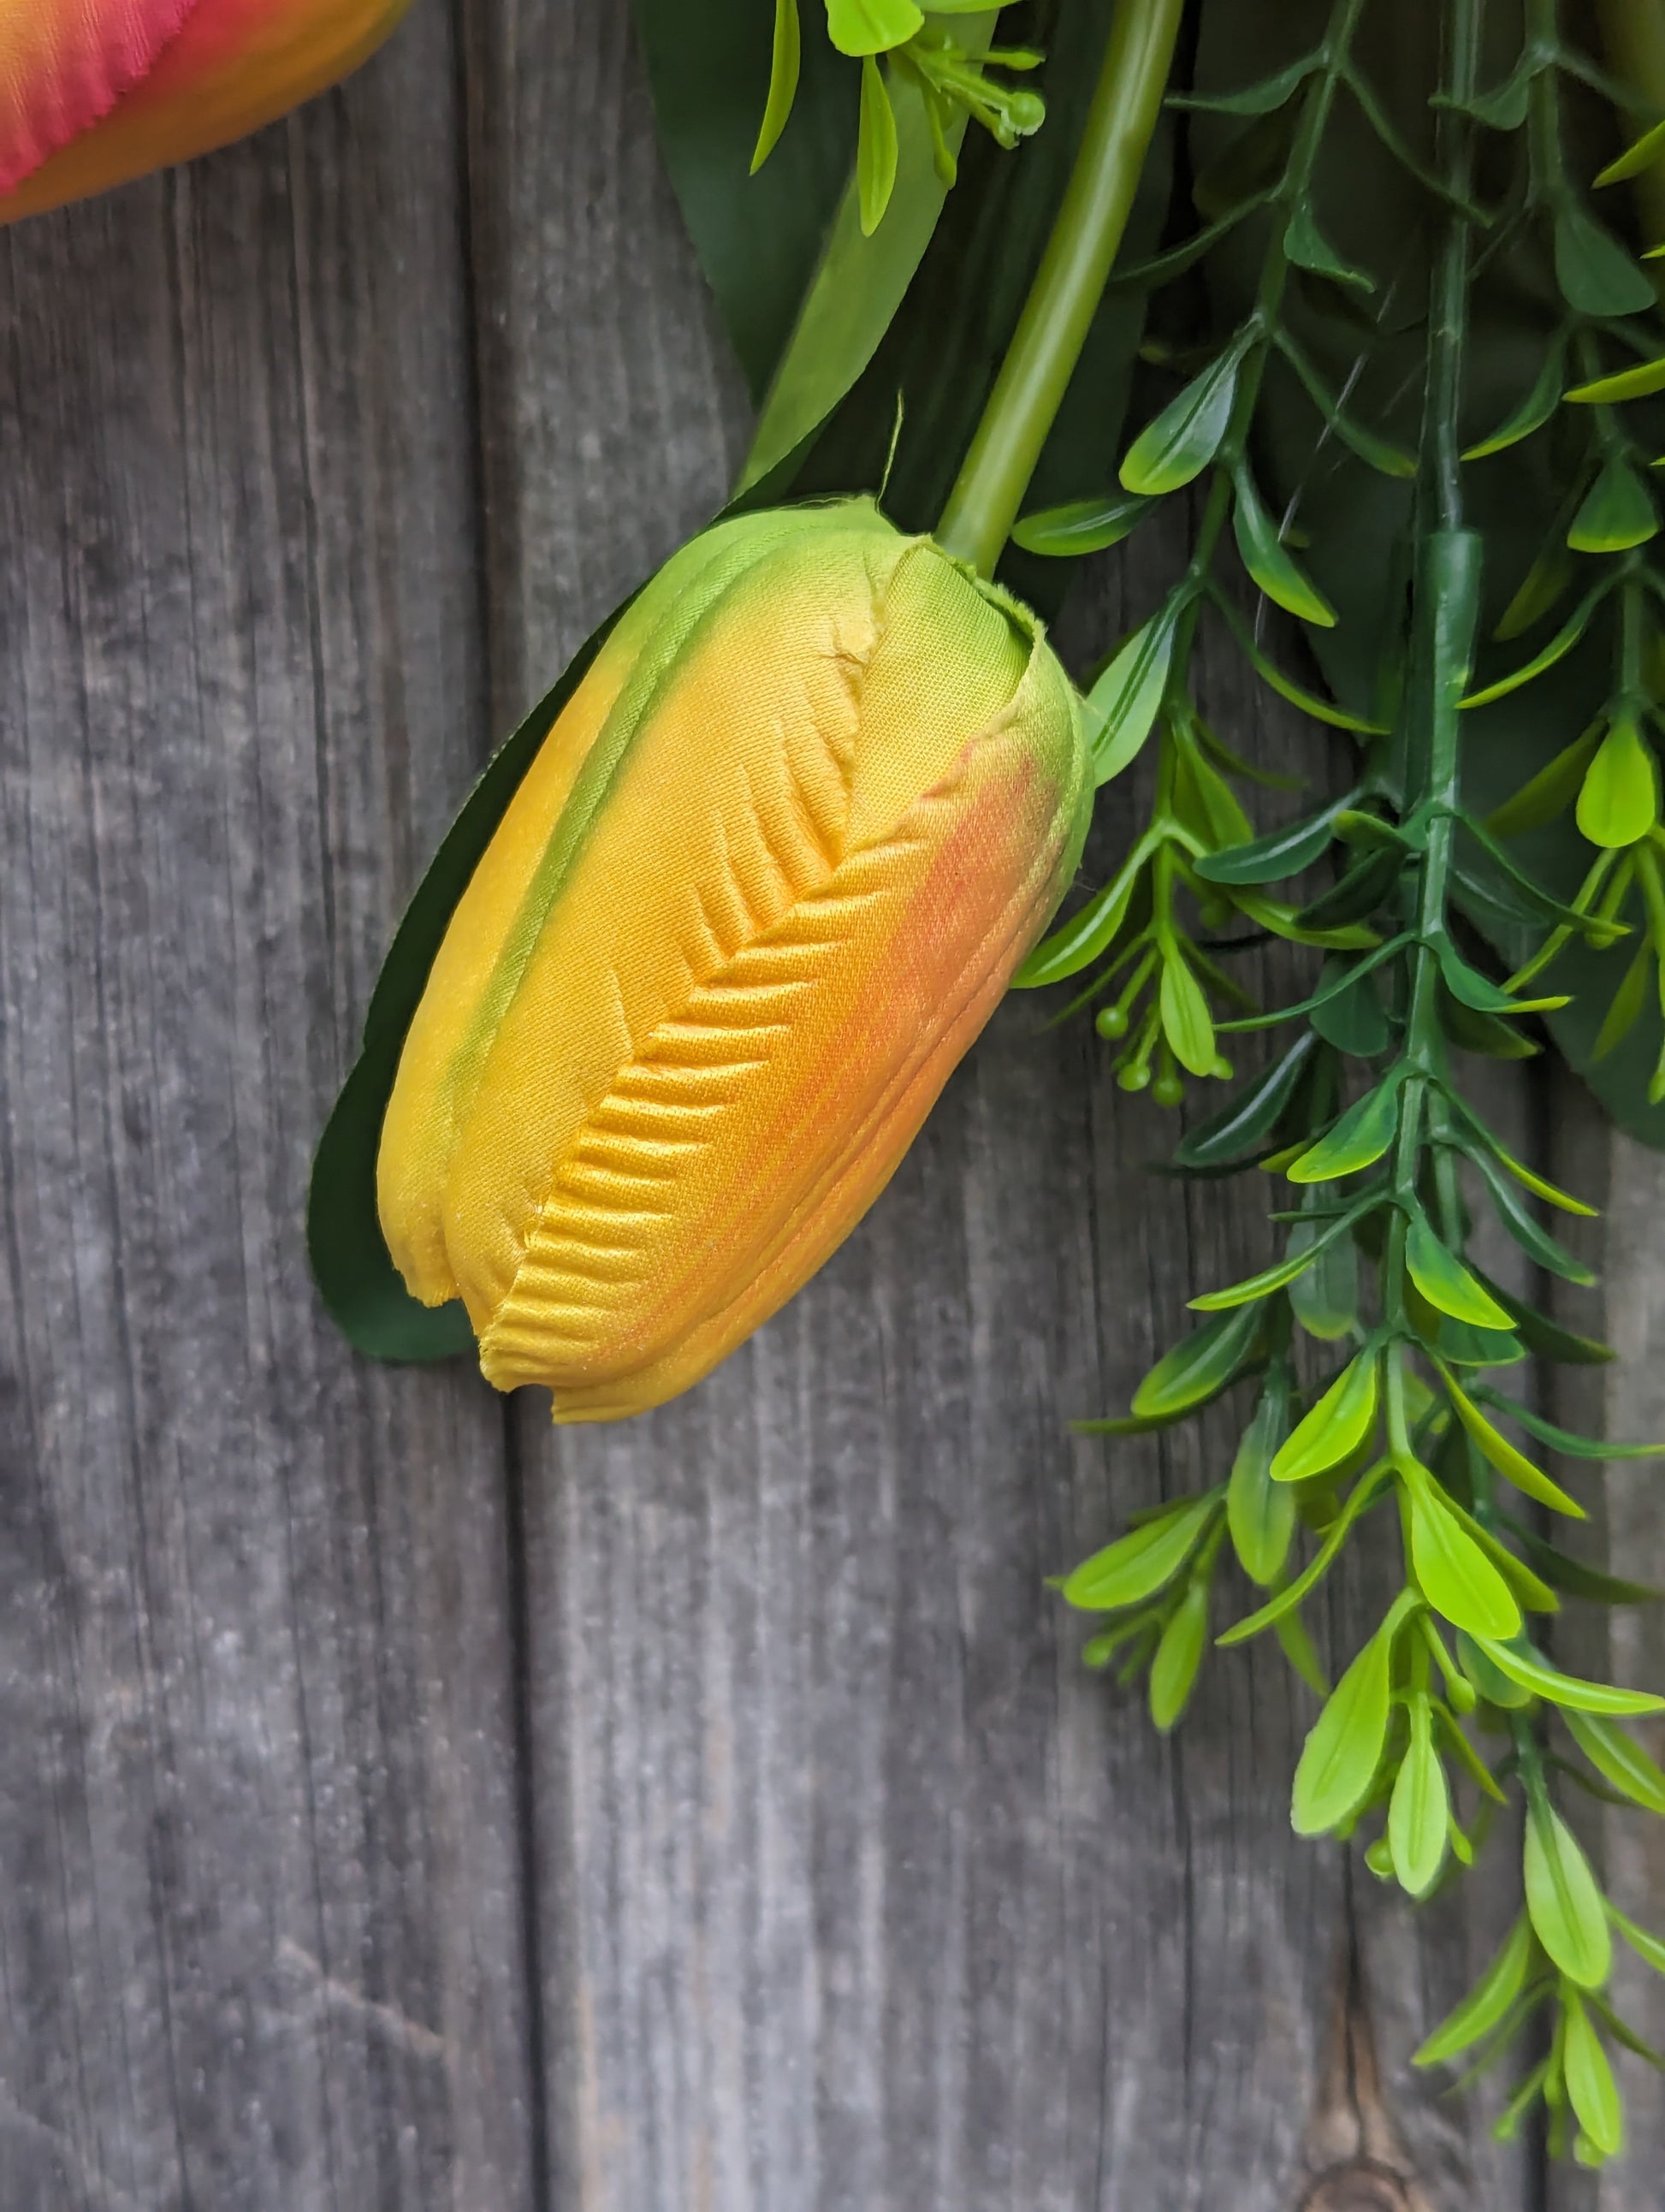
1088, 932
1618, 1759
1562, 1896
1532, 1674
1140, 1564
1199, 1367
1341, 1754
1123, 706
1619, 801
1261, 1512
861, 27
1358, 1140
1617, 512
1365, 1493
1454, 1574
782, 82
1179, 443
877, 149
1543, 587
1591, 2090
1445, 1282
1081, 526
1269, 562
1647, 1947
1509, 1462
1336, 1427
1487, 2004
1624, 1009
1638, 383
1304, 1251
1419, 1812
1646, 153
1186, 1021
1499, 1689
1178, 1656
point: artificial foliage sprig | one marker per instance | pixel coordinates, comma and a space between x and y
1366, 1353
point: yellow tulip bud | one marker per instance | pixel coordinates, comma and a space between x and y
766, 878
95, 92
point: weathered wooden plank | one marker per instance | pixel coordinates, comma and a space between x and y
853, 1889
260, 1937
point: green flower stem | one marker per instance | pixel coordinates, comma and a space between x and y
1068, 285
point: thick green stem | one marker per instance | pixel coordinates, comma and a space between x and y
1068, 285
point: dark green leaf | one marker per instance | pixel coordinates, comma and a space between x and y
1280, 852
1546, 1337
1182, 441
1269, 562
1251, 1116
1355, 1022
1356, 894
1559, 646
1321, 710
1534, 410
1324, 1298
1550, 792
1564, 1440
1307, 247
1597, 275
350, 1263
1261, 98
1577, 1579
1533, 1239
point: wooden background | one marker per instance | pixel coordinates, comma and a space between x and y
404, 1809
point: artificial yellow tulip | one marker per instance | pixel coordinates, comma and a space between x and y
766, 878
95, 92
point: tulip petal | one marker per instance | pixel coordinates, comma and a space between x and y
63, 66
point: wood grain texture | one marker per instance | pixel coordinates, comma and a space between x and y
260, 1932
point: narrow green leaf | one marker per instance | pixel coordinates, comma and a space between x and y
1487, 2004
1558, 648
1089, 933
1387, 460
1199, 1367
1269, 562
1336, 1427
1355, 1022
1138, 1565
1355, 896
1178, 1656
1445, 1282
860, 27
1123, 705
1358, 1140
1296, 1647
1419, 1811
1455, 1576
1550, 792
1566, 1440
1646, 1947
1619, 799
1252, 1115
1534, 410
782, 82
1494, 1685
1546, 1337
1281, 853
1543, 587
1186, 1021
1511, 1463
1532, 1674
1295, 1262
1532, 1237
1577, 1579
1617, 512
1260, 1513
1324, 1298
1340, 1756
1641, 382
1591, 2090
1183, 439
1307, 247
1596, 274
1625, 1008
1081, 526
1366, 1492
1261, 98
1321, 710
1648, 150
1617, 1757
877, 149
1568, 1916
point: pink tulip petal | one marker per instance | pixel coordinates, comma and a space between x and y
63, 66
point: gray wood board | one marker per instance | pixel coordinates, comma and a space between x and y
847, 1887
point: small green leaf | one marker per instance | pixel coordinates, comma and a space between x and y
1568, 1916
1081, 526
1179, 443
1285, 852
1511, 1463
782, 82
1355, 896
1546, 1337
1336, 1427
877, 146
1532, 1237
1543, 587
1618, 1758
1487, 2004
1445, 1282
1356, 1021
1088, 932
1591, 2090
860, 27
1387, 460
1597, 276
1178, 1656
1366, 1492
1296, 1647
1341, 1754
1260, 99
1533, 411
1310, 702
1617, 512
1494, 1685
1535, 1674
1269, 562
1260, 1513
1324, 1297
1648, 150
1307, 247
1566, 1440
1419, 1812
1199, 1367
1252, 1115
1455, 1576
1123, 705
1186, 1021
1559, 646
1641, 382
1294, 1263
1646, 1947
1619, 800
1358, 1140
1138, 1565
1577, 1579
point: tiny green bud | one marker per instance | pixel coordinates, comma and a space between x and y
1167, 1090
1137, 1077
1222, 1071
1113, 1022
